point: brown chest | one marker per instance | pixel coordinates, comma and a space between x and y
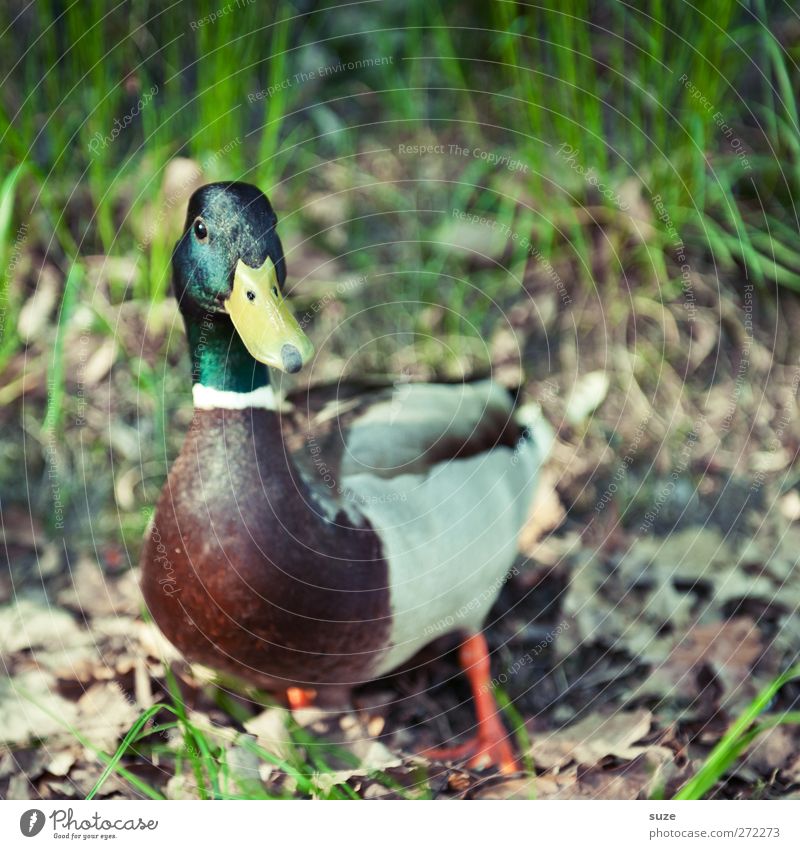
242, 574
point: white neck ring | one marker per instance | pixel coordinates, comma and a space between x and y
209, 398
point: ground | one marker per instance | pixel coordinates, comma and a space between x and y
653, 598
595, 203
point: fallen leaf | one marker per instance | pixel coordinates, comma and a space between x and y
271, 732
638, 779
546, 514
532, 787
181, 787
243, 769
94, 594
20, 788
99, 363
36, 311
479, 239
789, 505
588, 393
639, 210
33, 622
32, 709
182, 176
645, 774
644, 600
726, 650
596, 737
62, 762
105, 714
105, 272
772, 751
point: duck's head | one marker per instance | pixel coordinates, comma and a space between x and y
230, 262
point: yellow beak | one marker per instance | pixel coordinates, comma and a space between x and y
263, 320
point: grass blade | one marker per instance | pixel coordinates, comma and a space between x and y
733, 742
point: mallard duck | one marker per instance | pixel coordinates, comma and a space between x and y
312, 543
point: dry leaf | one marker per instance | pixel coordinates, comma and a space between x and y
635, 780
243, 769
94, 594
775, 750
518, 788
182, 176
640, 211
271, 732
587, 395
62, 762
181, 787
105, 714
474, 238
32, 709
727, 650
789, 505
99, 363
546, 513
33, 622
20, 788
36, 311
105, 271
596, 737
644, 600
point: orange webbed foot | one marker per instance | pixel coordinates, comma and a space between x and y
490, 746
299, 698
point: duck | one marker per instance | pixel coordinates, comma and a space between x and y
312, 541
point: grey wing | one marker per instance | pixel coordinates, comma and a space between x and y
336, 432
416, 426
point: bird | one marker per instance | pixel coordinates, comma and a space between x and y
312, 541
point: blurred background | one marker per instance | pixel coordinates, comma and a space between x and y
593, 201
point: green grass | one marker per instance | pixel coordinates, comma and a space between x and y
516, 80
312, 766
608, 86
742, 733
56, 367
111, 762
8, 309
311, 759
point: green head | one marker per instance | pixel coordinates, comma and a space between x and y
228, 276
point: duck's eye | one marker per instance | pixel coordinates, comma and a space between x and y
200, 230
275, 291
251, 295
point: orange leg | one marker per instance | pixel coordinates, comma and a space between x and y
299, 698
490, 746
